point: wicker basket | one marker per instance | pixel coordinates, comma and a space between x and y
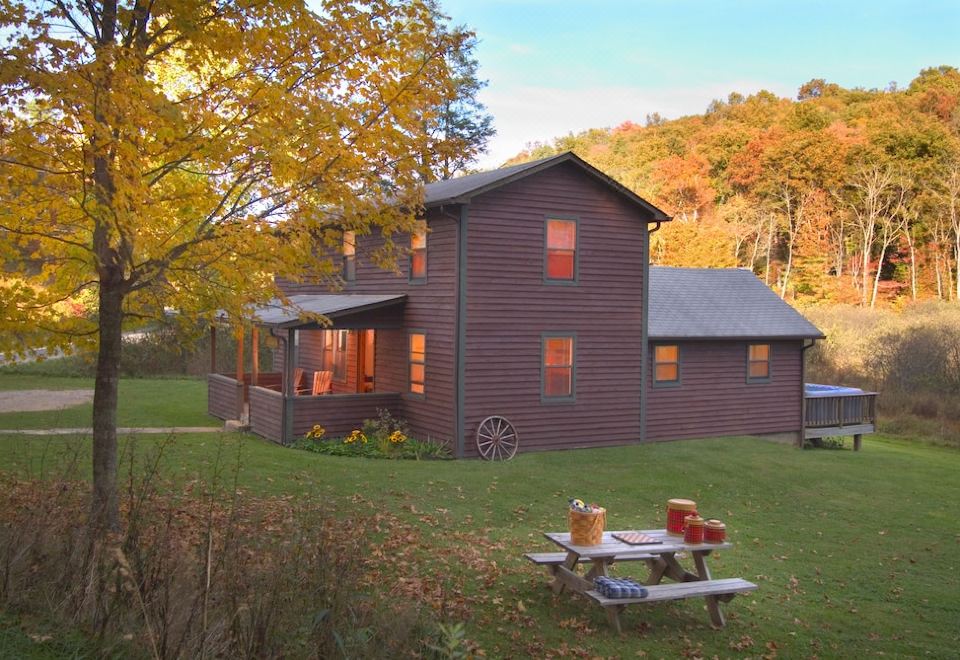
586, 528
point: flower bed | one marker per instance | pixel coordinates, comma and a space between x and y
382, 437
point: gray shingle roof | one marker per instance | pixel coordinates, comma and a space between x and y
331, 305
725, 303
461, 189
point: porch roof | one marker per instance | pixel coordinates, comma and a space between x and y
276, 314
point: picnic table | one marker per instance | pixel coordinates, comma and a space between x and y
661, 561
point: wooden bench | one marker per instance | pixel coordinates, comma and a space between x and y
713, 590
556, 558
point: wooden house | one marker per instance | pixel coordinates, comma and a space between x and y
528, 316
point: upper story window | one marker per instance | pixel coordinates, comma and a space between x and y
758, 363
349, 255
418, 252
558, 367
418, 362
335, 353
666, 365
561, 258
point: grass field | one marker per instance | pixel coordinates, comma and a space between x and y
143, 402
856, 554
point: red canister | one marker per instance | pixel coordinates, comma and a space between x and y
715, 532
677, 510
693, 529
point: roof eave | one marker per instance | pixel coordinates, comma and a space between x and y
795, 337
656, 214
300, 323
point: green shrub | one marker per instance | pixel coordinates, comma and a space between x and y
167, 351
384, 436
911, 357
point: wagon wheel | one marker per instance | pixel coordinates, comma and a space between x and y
497, 440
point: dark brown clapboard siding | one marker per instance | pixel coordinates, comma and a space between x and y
339, 414
714, 398
266, 413
430, 308
224, 396
509, 306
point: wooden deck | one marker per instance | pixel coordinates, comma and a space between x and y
839, 414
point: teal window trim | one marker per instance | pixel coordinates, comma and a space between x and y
564, 398
349, 272
576, 249
411, 362
667, 383
420, 279
759, 380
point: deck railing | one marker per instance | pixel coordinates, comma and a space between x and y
840, 410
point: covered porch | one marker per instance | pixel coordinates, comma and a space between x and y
335, 376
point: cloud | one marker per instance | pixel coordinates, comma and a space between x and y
527, 113
520, 49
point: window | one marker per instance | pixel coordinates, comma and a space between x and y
666, 365
561, 260
349, 256
335, 354
558, 367
418, 362
418, 252
758, 363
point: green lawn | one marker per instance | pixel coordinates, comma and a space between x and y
855, 553
143, 402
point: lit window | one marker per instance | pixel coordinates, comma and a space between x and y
349, 256
666, 365
418, 252
418, 362
758, 363
335, 354
561, 250
558, 367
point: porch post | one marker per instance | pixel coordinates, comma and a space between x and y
239, 336
289, 364
241, 387
254, 355
213, 349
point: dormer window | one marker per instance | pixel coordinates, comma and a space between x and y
561, 253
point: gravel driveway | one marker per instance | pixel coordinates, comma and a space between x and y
30, 400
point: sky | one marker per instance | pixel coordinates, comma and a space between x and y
559, 66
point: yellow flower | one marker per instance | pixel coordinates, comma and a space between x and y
355, 435
397, 438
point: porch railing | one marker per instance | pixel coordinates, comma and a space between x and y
337, 413
340, 413
841, 410
226, 396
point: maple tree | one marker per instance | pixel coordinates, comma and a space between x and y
162, 156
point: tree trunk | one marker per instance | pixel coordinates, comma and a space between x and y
876, 278
766, 274
104, 509
865, 273
956, 262
939, 277
913, 267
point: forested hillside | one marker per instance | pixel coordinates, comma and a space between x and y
842, 195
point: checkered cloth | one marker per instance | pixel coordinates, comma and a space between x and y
619, 588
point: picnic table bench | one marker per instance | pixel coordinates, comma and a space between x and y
661, 561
